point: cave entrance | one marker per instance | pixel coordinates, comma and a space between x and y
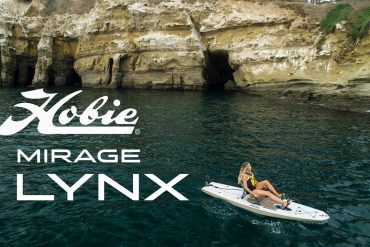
110, 70
16, 76
218, 70
51, 77
30, 75
73, 79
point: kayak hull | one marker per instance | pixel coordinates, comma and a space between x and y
296, 211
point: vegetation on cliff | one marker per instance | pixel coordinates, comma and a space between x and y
336, 15
361, 23
359, 20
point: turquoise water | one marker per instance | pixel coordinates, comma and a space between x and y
319, 157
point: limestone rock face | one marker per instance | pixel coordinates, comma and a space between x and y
137, 45
44, 61
276, 45
177, 44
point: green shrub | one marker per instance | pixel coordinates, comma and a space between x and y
336, 15
360, 23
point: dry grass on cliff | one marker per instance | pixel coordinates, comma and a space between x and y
68, 6
315, 13
357, 4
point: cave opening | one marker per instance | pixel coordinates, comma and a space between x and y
51, 77
121, 66
73, 78
218, 70
16, 76
30, 75
110, 70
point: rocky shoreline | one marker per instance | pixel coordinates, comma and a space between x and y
325, 96
260, 47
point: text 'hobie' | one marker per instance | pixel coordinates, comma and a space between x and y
126, 119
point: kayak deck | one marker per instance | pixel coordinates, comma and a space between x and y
265, 206
264, 202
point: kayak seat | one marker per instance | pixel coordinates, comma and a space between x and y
251, 199
263, 201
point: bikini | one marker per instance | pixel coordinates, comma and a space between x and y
251, 183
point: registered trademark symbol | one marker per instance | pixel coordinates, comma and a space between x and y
137, 132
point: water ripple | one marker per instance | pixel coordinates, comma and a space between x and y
317, 156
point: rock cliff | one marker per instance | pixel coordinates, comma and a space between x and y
180, 44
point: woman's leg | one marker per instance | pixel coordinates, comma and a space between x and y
266, 183
270, 195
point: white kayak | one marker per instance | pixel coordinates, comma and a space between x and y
264, 206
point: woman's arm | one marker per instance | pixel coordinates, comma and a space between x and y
245, 186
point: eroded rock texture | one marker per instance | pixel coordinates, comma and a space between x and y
178, 44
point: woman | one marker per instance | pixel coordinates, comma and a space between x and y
255, 188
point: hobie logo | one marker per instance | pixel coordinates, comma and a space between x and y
126, 119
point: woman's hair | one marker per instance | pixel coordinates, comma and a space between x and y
246, 168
